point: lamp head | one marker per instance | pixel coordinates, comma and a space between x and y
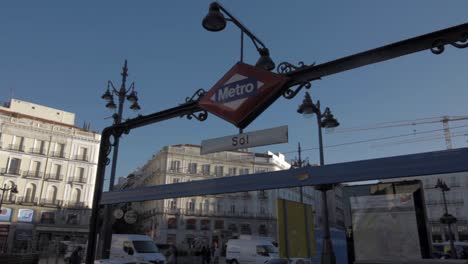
265, 62
107, 95
132, 97
215, 20
14, 189
111, 105
329, 121
135, 106
307, 108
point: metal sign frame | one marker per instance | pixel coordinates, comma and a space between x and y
298, 77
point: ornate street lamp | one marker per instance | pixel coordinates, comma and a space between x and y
13, 189
215, 21
131, 95
447, 218
325, 120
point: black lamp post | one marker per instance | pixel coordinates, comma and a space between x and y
447, 218
13, 189
131, 95
215, 21
326, 120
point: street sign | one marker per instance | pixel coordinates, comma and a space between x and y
242, 94
246, 140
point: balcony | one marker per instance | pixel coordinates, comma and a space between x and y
81, 157
9, 199
37, 151
53, 177
16, 147
51, 203
33, 174
58, 154
77, 179
173, 211
11, 172
76, 205
26, 200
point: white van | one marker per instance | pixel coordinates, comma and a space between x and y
250, 251
129, 247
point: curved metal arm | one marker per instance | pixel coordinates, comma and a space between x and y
234, 20
110, 84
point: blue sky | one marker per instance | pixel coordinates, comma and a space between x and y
61, 54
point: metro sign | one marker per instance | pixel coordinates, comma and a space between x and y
242, 94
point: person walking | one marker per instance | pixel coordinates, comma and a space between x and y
75, 257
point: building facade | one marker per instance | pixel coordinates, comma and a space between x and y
53, 164
193, 221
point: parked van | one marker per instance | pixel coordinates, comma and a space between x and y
250, 251
129, 247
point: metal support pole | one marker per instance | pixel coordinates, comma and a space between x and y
452, 244
328, 256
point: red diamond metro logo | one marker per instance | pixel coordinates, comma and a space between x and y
242, 94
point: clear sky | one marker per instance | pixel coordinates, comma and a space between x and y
61, 54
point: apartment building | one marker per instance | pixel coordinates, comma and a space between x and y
53, 164
190, 221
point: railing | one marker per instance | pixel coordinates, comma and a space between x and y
81, 157
54, 177
58, 154
11, 171
172, 210
9, 199
51, 203
77, 179
27, 200
33, 174
72, 204
16, 147
38, 151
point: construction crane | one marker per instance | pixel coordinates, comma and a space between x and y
442, 119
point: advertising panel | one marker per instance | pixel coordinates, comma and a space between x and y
385, 227
25, 215
5, 214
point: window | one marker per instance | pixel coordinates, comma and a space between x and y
60, 150
205, 224
206, 169
191, 206
454, 181
83, 154
80, 174
172, 223
192, 168
14, 167
18, 143
219, 224
175, 165
243, 171
52, 194
219, 171
232, 171
39, 147
175, 180
35, 169
233, 209
206, 206
173, 204
57, 171
191, 224
30, 193
48, 218
219, 207
245, 229
76, 197
262, 230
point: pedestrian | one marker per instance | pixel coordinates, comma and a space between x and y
208, 255
172, 259
216, 254
203, 254
76, 255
